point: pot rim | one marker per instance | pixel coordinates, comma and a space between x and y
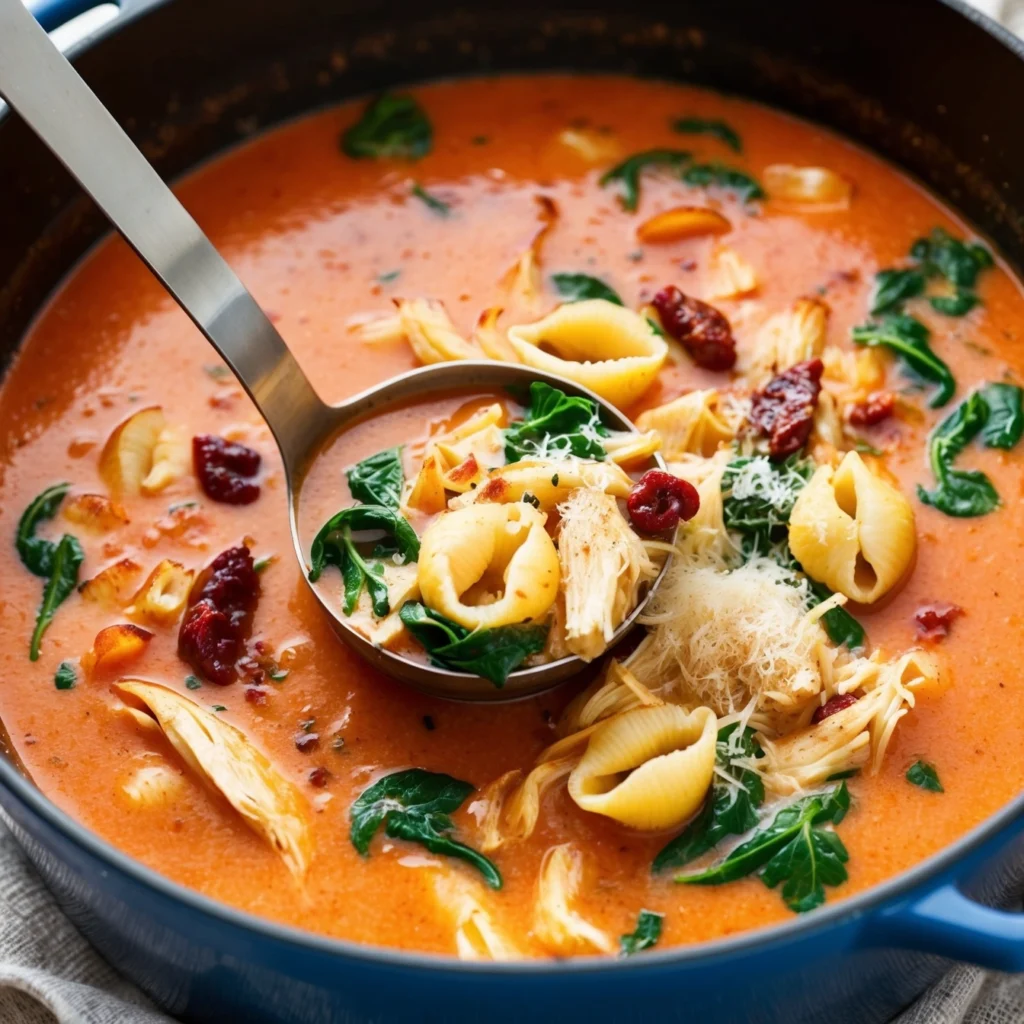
872, 899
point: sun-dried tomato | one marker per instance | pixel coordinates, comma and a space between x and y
784, 409
306, 742
878, 406
226, 470
933, 621
840, 702
218, 622
701, 329
659, 500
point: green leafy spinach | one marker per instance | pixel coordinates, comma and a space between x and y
1005, 422
392, 126
908, 338
722, 176
644, 935
709, 126
66, 676
923, 774
758, 496
556, 426
439, 206
894, 287
378, 480
576, 287
415, 805
489, 653
36, 553
67, 560
627, 173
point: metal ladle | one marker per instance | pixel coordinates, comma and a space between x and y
46, 91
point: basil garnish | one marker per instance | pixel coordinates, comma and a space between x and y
378, 480
908, 339
576, 287
556, 426
391, 126
490, 653
644, 935
627, 173
923, 774
795, 849
415, 805
706, 126
66, 676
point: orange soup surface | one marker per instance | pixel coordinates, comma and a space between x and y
511, 194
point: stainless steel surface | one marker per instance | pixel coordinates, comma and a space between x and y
47, 92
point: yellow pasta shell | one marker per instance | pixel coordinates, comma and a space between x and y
853, 531
596, 343
488, 548
649, 768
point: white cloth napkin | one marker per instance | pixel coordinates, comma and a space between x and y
49, 973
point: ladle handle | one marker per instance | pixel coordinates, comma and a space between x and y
63, 111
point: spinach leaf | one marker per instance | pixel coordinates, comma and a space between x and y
958, 304
36, 553
894, 287
556, 426
960, 492
731, 179
391, 126
355, 572
731, 808
644, 935
758, 496
908, 338
627, 173
791, 849
489, 653
841, 626
66, 676
415, 805
923, 774
704, 126
439, 206
575, 287
378, 479
957, 261
64, 565
1005, 422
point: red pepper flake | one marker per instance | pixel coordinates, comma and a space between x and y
878, 406
659, 500
225, 470
783, 411
219, 619
840, 702
256, 695
307, 742
701, 329
319, 777
933, 621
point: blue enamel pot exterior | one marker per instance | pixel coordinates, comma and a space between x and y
922, 81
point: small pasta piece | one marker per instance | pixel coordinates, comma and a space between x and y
853, 531
682, 222
698, 423
116, 647
815, 188
430, 332
590, 145
127, 457
607, 348
109, 587
557, 926
789, 338
162, 598
491, 339
731, 275
476, 935
427, 493
603, 566
624, 446
95, 512
225, 759
550, 481
152, 785
496, 548
172, 461
649, 768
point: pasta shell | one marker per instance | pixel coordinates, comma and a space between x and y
789, 338
172, 460
224, 758
427, 493
430, 332
816, 187
550, 481
603, 565
127, 457
853, 531
492, 339
694, 424
116, 647
557, 926
498, 547
162, 598
624, 447
732, 276
649, 768
605, 347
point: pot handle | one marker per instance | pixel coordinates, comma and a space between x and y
949, 924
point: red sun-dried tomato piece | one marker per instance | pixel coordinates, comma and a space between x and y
226, 470
218, 622
840, 702
659, 500
878, 406
701, 329
933, 621
784, 409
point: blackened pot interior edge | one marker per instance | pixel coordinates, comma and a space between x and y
911, 79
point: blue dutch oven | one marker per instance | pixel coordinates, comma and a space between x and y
926, 83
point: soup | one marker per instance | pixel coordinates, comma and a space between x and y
824, 353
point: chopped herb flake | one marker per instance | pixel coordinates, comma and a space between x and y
645, 935
923, 774
66, 676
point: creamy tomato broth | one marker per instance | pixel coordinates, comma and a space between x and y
472, 199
